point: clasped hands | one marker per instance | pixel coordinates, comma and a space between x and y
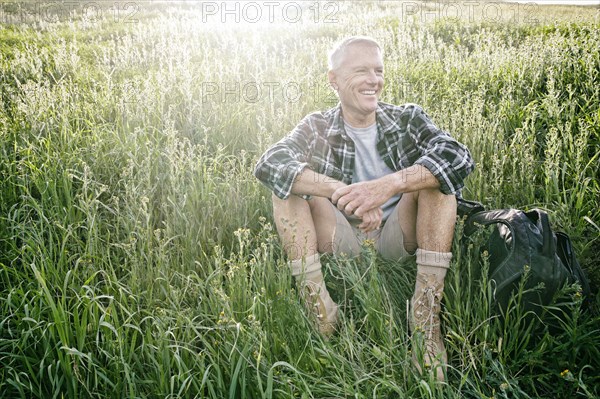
363, 200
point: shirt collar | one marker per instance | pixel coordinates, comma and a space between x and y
336, 126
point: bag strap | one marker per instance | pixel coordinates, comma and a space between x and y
549, 243
466, 208
505, 217
566, 254
485, 218
543, 223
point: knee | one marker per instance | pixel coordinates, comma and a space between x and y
434, 203
296, 202
434, 194
292, 200
447, 200
275, 200
290, 208
318, 203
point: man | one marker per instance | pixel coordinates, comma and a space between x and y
368, 170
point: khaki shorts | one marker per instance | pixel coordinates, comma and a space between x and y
388, 240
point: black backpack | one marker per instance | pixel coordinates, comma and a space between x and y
523, 240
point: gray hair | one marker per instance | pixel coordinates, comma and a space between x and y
335, 55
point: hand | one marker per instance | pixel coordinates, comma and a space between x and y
371, 220
358, 198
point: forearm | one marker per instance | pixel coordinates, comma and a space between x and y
308, 182
413, 178
362, 197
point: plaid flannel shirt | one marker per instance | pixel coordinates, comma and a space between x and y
405, 137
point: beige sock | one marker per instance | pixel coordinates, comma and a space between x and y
309, 266
433, 262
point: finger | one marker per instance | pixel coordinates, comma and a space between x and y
337, 194
363, 227
348, 205
372, 226
360, 211
373, 221
366, 220
367, 228
369, 223
379, 218
376, 222
335, 197
366, 206
342, 202
349, 209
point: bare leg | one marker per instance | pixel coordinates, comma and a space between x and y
427, 218
306, 229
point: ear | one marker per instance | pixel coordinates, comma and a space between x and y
332, 79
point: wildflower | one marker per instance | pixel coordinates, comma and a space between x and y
567, 375
369, 243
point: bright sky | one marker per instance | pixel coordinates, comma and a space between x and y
568, 2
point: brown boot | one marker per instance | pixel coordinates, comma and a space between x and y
429, 352
310, 284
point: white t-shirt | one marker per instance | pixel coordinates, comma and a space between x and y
368, 164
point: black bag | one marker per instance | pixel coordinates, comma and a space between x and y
525, 239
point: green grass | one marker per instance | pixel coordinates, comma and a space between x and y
137, 252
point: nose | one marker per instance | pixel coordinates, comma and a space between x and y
372, 77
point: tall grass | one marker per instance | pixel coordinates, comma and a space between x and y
137, 253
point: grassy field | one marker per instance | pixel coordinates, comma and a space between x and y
137, 253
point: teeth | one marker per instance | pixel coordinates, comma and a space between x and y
368, 92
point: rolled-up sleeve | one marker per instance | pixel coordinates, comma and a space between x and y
447, 159
281, 164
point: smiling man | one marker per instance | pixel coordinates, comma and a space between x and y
368, 170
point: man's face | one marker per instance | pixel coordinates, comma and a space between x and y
359, 80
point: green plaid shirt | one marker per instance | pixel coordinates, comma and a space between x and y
405, 137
